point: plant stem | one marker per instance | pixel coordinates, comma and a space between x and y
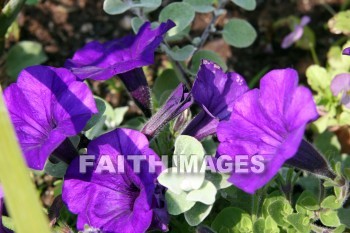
20, 195
7, 16
314, 54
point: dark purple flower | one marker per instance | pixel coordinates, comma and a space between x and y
102, 61
269, 122
215, 91
3, 229
46, 106
346, 51
178, 101
118, 201
123, 57
296, 34
341, 85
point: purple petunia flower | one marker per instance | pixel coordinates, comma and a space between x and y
341, 85
46, 106
215, 91
346, 51
296, 34
269, 122
124, 57
116, 201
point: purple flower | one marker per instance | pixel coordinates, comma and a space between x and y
124, 57
269, 122
346, 51
102, 61
46, 106
215, 91
126, 201
296, 34
341, 85
178, 101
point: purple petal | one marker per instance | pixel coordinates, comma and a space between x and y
113, 202
178, 101
53, 106
268, 122
215, 90
346, 51
103, 61
340, 83
136, 83
292, 37
305, 20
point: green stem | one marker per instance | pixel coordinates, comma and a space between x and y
20, 194
7, 16
314, 55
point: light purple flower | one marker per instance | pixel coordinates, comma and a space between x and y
341, 85
296, 34
269, 122
116, 201
346, 51
46, 106
215, 91
101, 61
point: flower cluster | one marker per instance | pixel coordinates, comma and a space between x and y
56, 104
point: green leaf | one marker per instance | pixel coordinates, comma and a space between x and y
201, 6
101, 106
339, 24
218, 179
328, 144
136, 23
197, 213
318, 78
271, 226
177, 203
329, 218
181, 13
331, 202
22, 55
187, 145
336, 60
114, 7
307, 201
180, 54
166, 81
272, 197
205, 194
56, 169
259, 226
209, 55
232, 220
300, 222
135, 123
279, 210
249, 5
343, 215
239, 33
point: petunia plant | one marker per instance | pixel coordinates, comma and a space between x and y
206, 153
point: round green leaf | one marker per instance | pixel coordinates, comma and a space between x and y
177, 203
167, 81
181, 13
331, 202
201, 6
205, 194
22, 55
239, 33
340, 23
180, 54
115, 7
209, 55
329, 218
232, 220
300, 222
249, 5
197, 213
